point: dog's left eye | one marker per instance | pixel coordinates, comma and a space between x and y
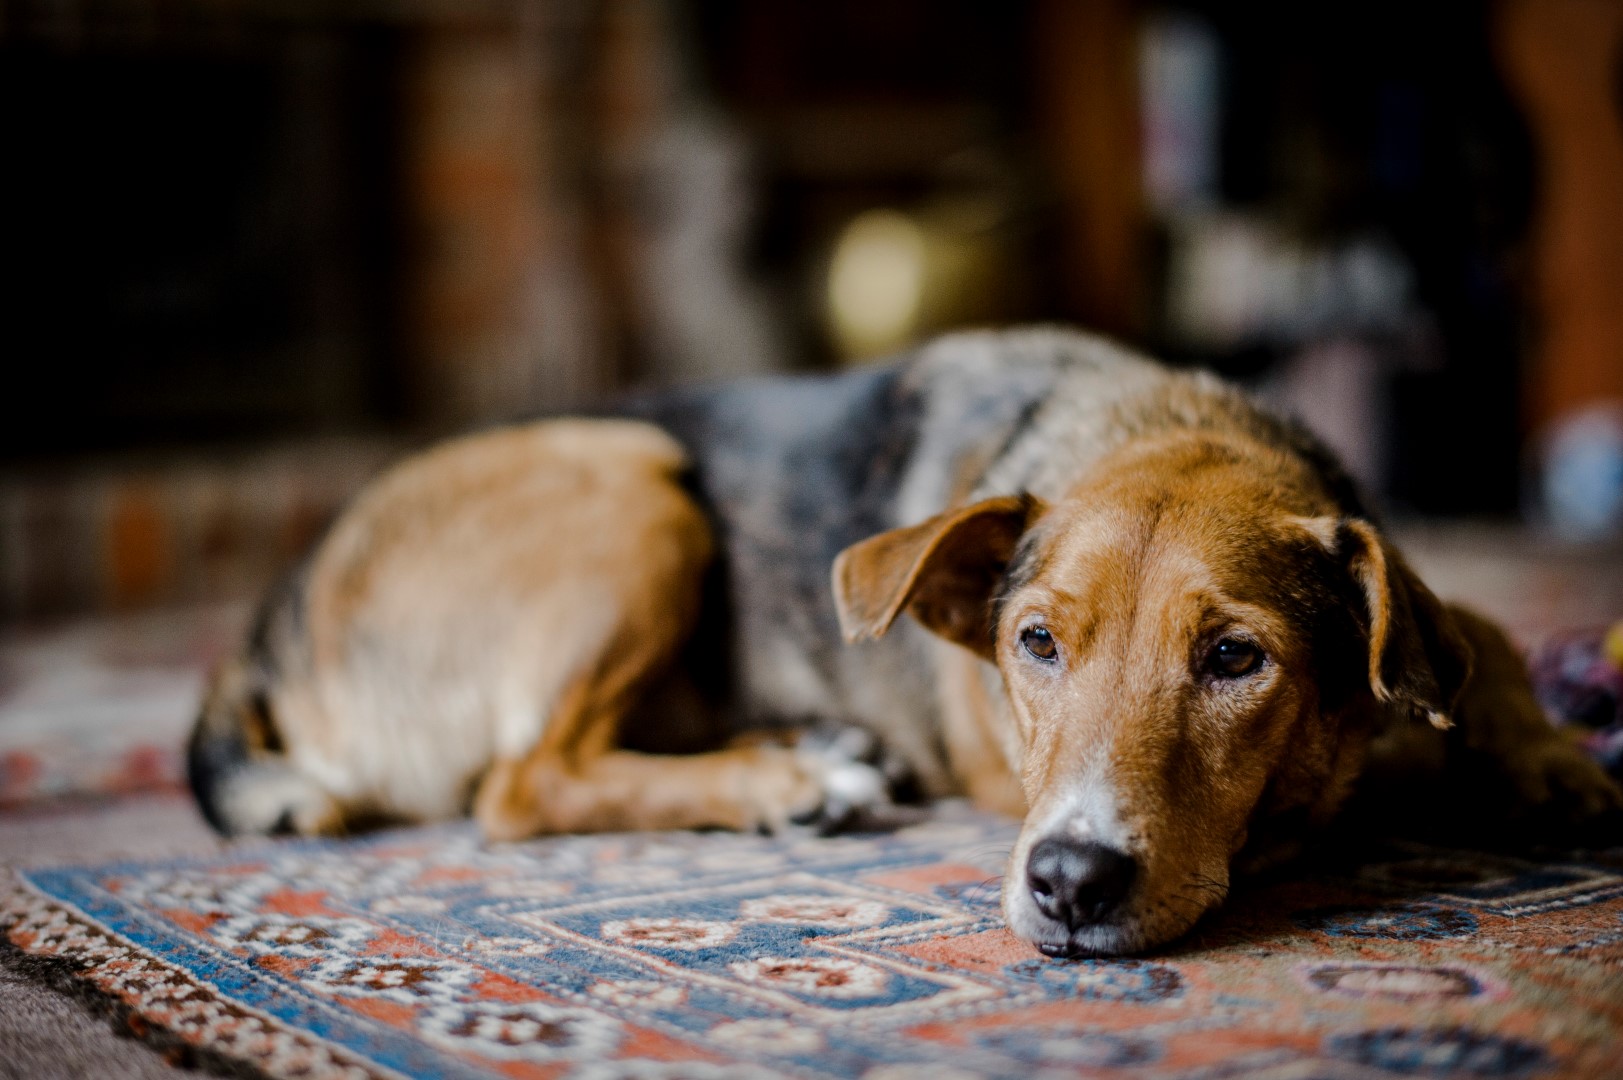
1039, 643
1232, 658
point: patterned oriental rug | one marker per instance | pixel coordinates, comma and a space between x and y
425, 953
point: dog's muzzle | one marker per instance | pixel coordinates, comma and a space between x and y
1077, 883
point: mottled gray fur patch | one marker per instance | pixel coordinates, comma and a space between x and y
793, 471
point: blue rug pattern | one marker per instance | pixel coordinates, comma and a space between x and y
426, 953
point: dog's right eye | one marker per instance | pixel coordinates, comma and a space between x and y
1231, 658
1040, 643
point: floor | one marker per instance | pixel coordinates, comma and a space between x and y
92, 715
45, 1034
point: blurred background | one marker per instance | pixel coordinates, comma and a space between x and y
256, 248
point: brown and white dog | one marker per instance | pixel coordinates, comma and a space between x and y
1143, 613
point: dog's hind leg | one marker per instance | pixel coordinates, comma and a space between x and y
759, 787
576, 778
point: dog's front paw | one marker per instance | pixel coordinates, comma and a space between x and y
1560, 786
853, 774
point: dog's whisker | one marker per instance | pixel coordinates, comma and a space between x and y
1216, 890
992, 885
1191, 901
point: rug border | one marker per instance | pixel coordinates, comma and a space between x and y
74, 979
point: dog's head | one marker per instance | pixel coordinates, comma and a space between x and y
1192, 648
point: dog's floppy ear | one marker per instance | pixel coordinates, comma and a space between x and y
943, 571
1418, 659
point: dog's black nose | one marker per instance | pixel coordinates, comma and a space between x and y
1076, 882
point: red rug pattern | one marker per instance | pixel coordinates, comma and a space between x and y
426, 953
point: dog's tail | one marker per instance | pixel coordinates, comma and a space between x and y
242, 779
218, 749
237, 759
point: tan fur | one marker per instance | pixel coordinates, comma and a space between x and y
486, 613
476, 628
1171, 542
984, 760
482, 602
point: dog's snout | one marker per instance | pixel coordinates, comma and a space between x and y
1077, 882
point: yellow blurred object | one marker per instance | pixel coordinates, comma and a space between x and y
876, 283
896, 276
1614, 645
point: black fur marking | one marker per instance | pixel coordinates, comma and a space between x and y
790, 473
280, 618
1025, 421
228, 732
1343, 489
213, 756
1021, 569
268, 735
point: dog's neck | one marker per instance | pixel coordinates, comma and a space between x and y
1092, 429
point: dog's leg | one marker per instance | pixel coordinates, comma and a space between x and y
576, 779
741, 788
1504, 731
860, 774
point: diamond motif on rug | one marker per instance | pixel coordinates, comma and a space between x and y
427, 953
